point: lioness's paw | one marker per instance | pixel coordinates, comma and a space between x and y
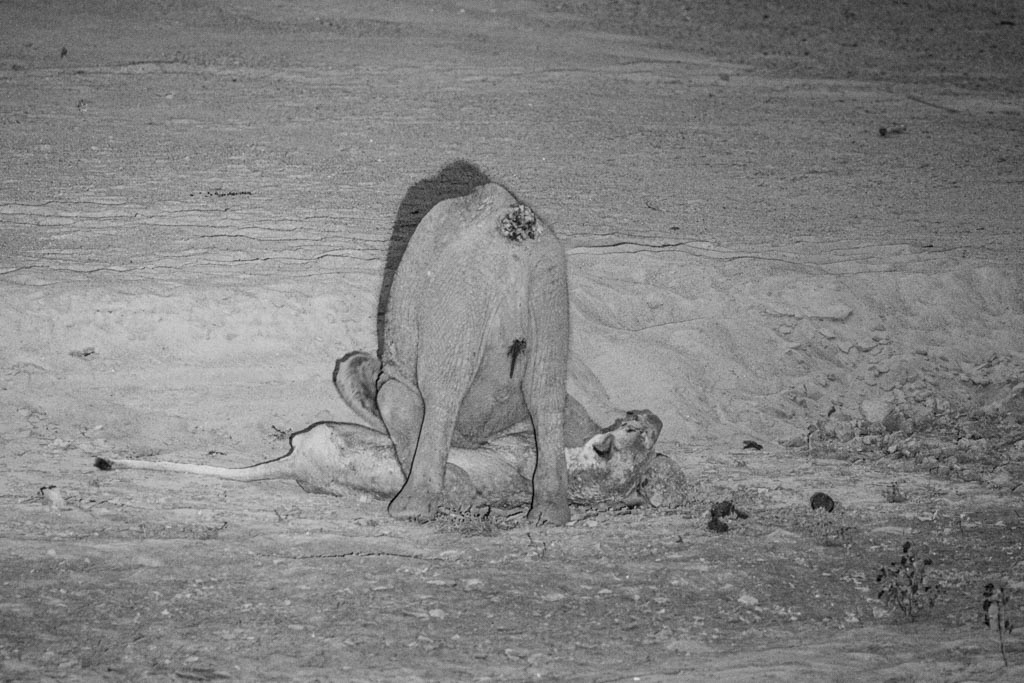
555, 514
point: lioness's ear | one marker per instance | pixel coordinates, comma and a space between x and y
602, 444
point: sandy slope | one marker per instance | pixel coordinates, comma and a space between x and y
198, 202
737, 233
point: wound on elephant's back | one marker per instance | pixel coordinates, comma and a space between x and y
519, 223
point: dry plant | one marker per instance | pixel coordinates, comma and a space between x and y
905, 583
997, 613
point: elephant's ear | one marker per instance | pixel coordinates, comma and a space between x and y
602, 444
355, 378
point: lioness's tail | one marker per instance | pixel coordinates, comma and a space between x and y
355, 378
272, 469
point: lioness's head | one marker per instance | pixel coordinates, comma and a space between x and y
610, 465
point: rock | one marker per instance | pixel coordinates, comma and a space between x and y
836, 312
1000, 478
794, 441
844, 432
53, 499
875, 409
822, 500
893, 422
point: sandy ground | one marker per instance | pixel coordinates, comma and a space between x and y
199, 203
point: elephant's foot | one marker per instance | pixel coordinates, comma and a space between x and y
549, 512
414, 504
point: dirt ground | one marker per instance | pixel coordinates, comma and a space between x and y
796, 224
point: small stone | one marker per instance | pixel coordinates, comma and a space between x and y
822, 501
875, 409
844, 432
1000, 479
892, 422
53, 499
716, 525
837, 312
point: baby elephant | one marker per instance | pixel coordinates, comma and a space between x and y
476, 340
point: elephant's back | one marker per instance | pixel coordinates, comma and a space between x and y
488, 226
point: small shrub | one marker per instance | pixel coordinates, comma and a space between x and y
893, 493
472, 521
905, 584
996, 606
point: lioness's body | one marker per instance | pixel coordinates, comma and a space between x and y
341, 458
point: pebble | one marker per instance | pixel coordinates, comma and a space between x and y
836, 312
875, 409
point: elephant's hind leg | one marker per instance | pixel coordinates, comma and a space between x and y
401, 409
442, 384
